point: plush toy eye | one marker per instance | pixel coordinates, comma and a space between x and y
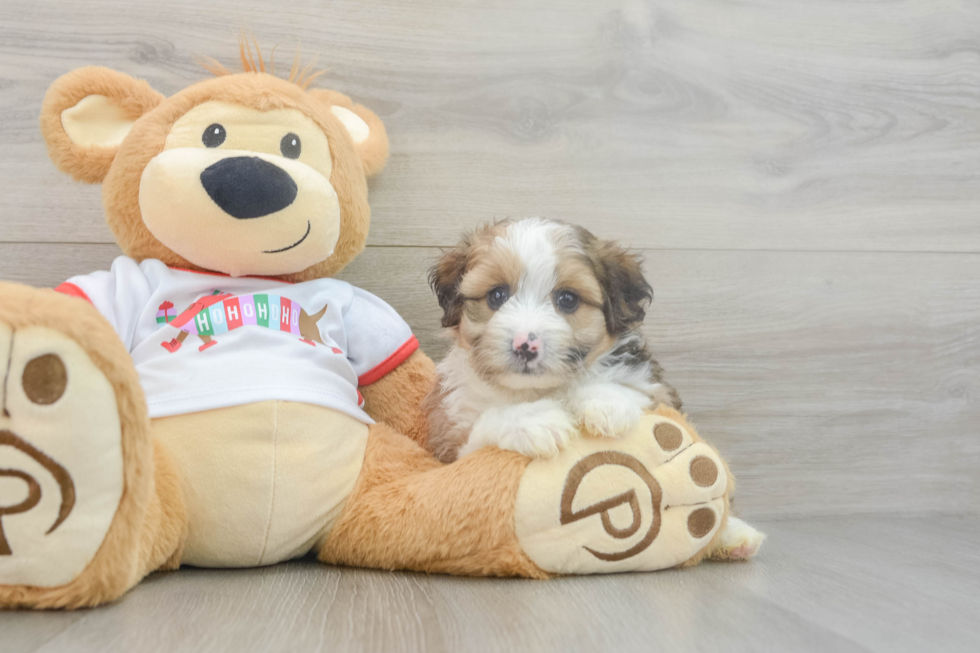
214, 135
290, 146
497, 297
567, 301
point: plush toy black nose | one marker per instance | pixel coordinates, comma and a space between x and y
248, 187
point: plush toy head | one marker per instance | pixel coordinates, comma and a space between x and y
244, 174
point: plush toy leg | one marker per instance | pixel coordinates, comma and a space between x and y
88, 504
409, 511
654, 499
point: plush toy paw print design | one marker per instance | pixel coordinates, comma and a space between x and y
650, 500
293, 424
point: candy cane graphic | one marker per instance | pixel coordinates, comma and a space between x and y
221, 312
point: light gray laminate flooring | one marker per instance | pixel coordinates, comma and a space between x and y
803, 180
888, 584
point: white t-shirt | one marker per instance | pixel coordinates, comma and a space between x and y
202, 341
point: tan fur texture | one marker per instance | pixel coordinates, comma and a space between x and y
90, 165
449, 270
626, 292
396, 399
165, 525
408, 511
373, 151
126, 553
442, 440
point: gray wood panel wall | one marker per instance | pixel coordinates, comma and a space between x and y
801, 176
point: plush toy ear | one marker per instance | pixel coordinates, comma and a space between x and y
87, 113
366, 129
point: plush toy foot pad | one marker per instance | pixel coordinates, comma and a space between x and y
61, 459
651, 500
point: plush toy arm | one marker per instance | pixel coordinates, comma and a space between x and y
396, 398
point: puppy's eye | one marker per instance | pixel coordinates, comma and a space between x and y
497, 297
290, 146
567, 301
214, 135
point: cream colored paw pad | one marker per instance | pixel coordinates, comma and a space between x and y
61, 465
651, 500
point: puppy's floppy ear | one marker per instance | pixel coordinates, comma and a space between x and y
87, 113
627, 293
444, 277
365, 128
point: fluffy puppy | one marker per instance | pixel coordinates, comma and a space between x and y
545, 319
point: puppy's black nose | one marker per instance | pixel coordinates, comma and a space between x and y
248, 187
525, 353
526, 346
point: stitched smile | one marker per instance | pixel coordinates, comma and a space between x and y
277, 251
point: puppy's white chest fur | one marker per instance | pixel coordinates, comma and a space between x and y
482, 415
531, 422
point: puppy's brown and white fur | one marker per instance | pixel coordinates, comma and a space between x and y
545, 319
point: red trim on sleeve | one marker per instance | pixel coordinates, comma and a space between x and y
390, 363
72, 290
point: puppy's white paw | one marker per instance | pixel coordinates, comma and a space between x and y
608, 409
738, 541
538, 429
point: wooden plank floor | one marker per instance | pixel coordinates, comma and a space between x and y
802, 179
770, 124
884, 584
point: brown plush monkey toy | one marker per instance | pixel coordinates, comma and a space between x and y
218, 399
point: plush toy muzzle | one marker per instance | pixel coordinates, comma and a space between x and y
240, 212
242, 191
